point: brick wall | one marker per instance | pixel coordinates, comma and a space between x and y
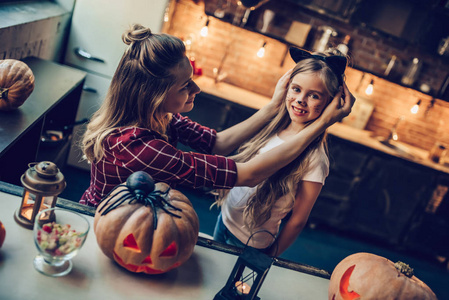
244, 69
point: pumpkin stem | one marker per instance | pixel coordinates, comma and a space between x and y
3, 93
404, 269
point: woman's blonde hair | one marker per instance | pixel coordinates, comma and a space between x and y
138, 88
284, 181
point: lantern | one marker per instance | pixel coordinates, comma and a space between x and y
42, 183
247, 276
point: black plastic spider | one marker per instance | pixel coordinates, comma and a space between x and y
140, 189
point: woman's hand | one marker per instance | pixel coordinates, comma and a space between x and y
279, 91
339, 107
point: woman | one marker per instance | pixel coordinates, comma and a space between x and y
253, 216
139, 124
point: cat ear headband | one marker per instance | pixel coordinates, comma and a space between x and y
336, 63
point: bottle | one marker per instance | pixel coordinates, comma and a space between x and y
412, 73
344, 46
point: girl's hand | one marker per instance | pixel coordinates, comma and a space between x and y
280, 90
339, 107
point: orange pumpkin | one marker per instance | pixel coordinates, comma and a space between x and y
368, 276
16, 83
2, 233
127, 232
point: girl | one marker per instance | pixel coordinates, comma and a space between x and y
315, 80
139, 124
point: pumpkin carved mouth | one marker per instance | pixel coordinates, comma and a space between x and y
143, 268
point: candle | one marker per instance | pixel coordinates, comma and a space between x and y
242, 288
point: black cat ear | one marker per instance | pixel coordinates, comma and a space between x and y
298, 54
337, 64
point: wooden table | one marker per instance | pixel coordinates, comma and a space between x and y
94, 276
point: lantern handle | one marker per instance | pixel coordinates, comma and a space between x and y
264, 230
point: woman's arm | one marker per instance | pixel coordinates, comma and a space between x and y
306, 196
262, 166
231, 138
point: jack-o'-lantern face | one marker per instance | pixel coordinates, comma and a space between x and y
162, 263
126, 234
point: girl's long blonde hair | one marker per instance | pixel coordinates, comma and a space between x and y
138, 88
284, 181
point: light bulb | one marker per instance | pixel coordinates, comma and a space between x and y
261, 51
370, 88
205, 30
166, 15
414, 110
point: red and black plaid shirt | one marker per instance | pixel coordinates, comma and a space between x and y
131, 149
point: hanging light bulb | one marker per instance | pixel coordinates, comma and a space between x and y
370, 88
414, 110
166, 15
205, 30
261, 52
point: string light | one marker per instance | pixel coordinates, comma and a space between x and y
414, 110
205, 30
261, 52
370, 88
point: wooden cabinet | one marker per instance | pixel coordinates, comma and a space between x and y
375, 195
51, 106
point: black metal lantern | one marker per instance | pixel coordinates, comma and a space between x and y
42, 183
247, 276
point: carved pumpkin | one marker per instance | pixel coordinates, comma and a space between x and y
368, 276
16, 83
128, 233
2, 234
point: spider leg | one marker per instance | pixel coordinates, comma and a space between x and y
169, 205
157, 196
170, 213
148, 201
118, 202
108, 194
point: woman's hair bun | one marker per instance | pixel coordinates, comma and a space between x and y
136, 33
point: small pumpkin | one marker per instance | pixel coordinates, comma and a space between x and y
146, 227
2, 233
16, 83
368, 276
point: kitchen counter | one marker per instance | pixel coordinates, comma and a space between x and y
362, 137
94, 276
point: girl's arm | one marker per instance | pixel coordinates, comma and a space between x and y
262, 166
231, 138
306, 196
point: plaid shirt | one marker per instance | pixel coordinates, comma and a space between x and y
131, 149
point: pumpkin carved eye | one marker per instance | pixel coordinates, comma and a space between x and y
168, 252
131, 243
171, 250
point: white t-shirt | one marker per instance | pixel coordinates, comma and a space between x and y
237, 198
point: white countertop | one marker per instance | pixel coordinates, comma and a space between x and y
94, 276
